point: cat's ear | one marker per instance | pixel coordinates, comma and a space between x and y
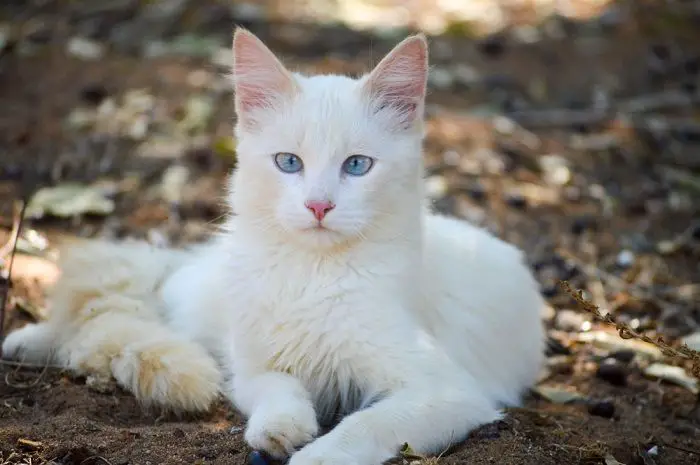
259, 78
398, 82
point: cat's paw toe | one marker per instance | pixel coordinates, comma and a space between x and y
281, 434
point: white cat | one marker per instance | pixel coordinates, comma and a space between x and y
331, 292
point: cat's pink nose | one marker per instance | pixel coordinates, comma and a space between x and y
319, 208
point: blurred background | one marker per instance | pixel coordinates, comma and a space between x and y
568, 127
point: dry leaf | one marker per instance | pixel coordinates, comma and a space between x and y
66, 200
673, 374
612, 342
557, 395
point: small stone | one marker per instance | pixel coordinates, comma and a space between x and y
569, 320
604, 408
139, 127
466, 75
624, 355
556, 347
257, 458
476, 192
517, 201
613, 372
93, 94
440, 78
660, 52
580, 225
549, 291
695, 232
555, 169
492, 47
436, 187
527, 34
625, 259
84, 49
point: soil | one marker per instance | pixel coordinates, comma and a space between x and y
624, 225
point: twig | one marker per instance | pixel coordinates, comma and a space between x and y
25, 386
6, 249
6, 288
626, 332
29, 365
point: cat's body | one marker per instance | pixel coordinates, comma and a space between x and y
424, 326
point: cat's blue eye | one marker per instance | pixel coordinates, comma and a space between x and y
357, 165
288, 162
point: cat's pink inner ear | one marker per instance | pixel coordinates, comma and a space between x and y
259, 78
399, 81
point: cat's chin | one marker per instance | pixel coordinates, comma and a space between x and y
320, 237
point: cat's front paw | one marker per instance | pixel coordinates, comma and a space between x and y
324, 453
30, 343
279, 432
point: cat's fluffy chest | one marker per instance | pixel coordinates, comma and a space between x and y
320, 321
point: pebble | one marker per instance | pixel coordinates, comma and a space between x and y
84, 49
492, 47
440, 78
436, 187
625, 259
93, 94
613, 372
569, 320
555, 169
581, 224
549, 290
466, 75
624, 356
604, 408
517, 201
257, 458
556, 347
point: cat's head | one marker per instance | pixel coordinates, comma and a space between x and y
327, 159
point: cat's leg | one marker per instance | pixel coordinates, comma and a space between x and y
117, 338
429, 416
281, 416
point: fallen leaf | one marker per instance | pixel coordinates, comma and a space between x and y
673, 374
66, 200
612, 342
407, 452
198, 112
173, 183
225, 147
557, 395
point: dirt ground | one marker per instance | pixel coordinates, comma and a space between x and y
576, 140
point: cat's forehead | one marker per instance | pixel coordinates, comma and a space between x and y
328, 92
327, 113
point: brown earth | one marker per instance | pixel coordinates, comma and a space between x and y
633, 186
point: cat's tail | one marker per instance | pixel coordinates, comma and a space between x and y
106, 321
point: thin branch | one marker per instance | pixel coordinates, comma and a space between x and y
4, 298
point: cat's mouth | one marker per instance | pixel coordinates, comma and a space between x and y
319, 228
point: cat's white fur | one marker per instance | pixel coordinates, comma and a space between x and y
415, 327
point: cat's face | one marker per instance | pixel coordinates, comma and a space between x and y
326, 159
